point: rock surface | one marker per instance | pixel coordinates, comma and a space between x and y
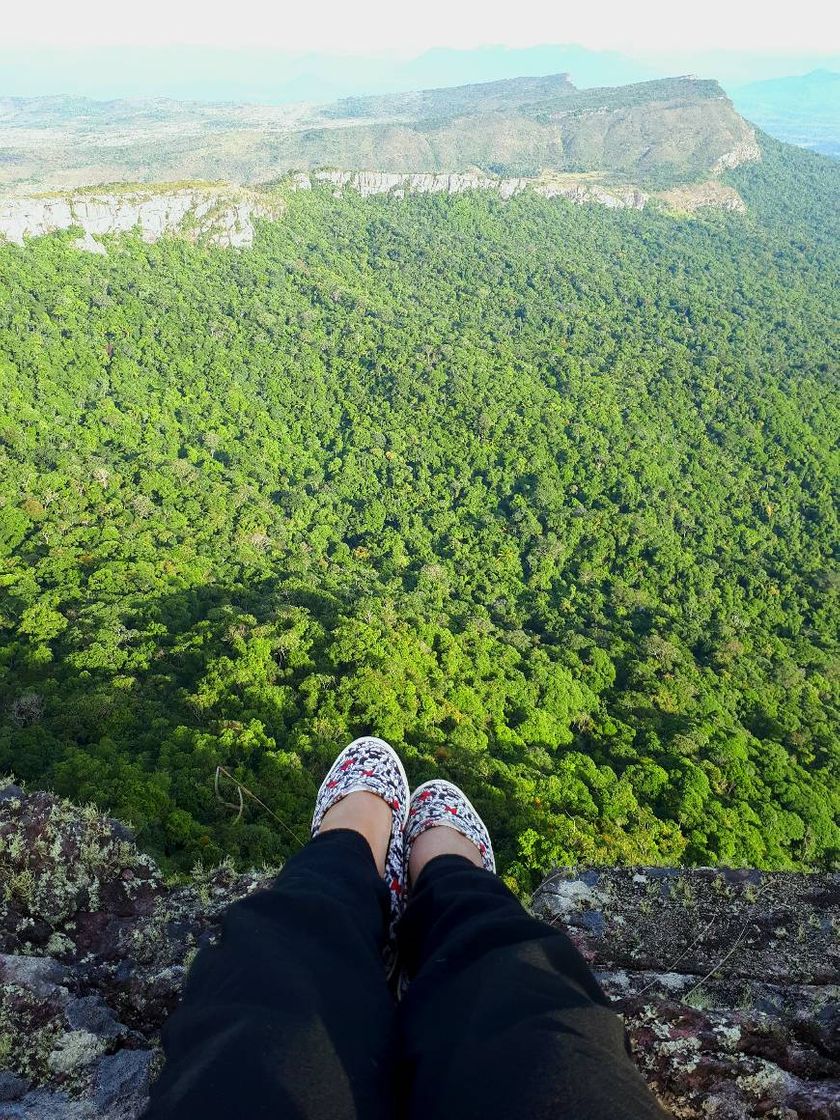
94, 947
727, 980
221, 218
582, 188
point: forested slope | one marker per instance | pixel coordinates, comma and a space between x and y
542, 494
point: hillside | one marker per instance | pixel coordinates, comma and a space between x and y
545, 494
801, 110
655, 134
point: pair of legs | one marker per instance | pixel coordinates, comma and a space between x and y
290, 1015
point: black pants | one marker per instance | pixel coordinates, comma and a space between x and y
289, 1016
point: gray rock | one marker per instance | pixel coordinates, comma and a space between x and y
12, 1086
45, 1105
41, 975
121, 831
121, 1084
90, 1013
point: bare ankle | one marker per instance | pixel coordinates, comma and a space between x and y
440, 841
367, 814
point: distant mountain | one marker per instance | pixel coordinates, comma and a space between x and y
445, 66
270, 76
276, 77
484, 97
801, 110
653, 134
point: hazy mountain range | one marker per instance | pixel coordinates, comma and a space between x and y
802, 110
275, 77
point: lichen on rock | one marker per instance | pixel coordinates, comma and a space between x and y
727, 981
94, 947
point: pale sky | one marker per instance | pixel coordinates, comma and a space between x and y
411, 26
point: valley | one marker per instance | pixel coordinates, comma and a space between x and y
542, 492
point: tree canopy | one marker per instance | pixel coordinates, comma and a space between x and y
544, 495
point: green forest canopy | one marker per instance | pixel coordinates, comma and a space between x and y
542, 494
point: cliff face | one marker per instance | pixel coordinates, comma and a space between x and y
222, 218
226, 218
578, 189
94, 947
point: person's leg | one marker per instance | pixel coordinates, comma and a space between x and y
502, 1017
290, 1016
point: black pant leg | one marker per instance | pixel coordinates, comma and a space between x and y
289, 1015
503, 1018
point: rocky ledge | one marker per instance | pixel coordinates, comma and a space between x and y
581, 188
225, 216
220, 217
727, 980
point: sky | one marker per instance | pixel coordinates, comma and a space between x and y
370, 26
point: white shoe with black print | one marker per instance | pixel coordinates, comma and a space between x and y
440, 803
370, 765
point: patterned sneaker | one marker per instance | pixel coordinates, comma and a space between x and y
441, 803
370, 765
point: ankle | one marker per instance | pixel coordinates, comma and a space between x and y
440, 841
367, 814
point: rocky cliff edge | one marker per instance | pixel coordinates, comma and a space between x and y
727, 980
219, 216
224, 216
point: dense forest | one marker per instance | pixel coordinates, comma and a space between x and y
545, 495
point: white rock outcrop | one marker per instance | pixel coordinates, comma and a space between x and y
581, 189
614, 198
384, 182
225, 220
368, 183
88, 244
747, 151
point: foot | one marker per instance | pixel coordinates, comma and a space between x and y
441, 821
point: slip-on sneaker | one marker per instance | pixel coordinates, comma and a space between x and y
440, 803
